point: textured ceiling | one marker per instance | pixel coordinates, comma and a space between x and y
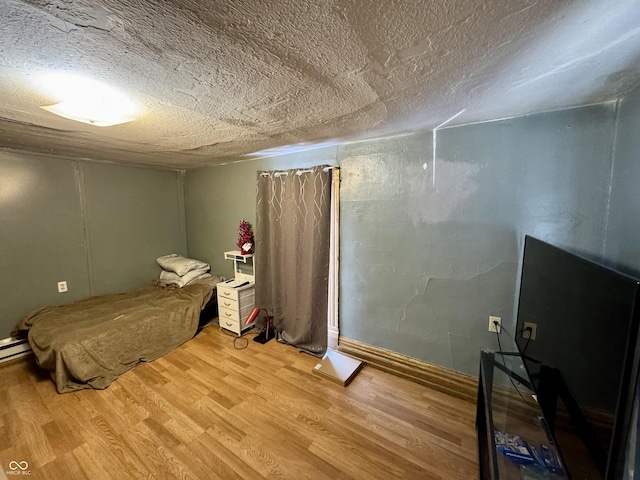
221, 78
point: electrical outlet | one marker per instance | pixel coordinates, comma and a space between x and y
531, 335
62, 286
492, 324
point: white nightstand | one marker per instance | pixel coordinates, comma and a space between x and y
234, 306
236, 297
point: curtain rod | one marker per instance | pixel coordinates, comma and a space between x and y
300, 172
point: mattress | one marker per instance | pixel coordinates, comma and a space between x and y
91, 342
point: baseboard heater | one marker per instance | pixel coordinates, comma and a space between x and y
12, 348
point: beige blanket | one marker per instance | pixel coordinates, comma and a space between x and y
89, 343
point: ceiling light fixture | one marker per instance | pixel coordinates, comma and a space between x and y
87, 100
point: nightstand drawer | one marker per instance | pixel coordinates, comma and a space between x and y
226, 292
228, 314
234, 320
234, 306
227, 303
229, 321
238, 294
236, 299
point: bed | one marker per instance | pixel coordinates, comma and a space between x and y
91, 342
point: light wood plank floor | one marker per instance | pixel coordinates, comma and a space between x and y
209, 411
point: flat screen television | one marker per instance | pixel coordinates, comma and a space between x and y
583, 362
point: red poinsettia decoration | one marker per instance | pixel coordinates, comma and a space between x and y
245, 238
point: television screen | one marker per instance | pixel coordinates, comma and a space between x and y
582, 360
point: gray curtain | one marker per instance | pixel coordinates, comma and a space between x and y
293, 223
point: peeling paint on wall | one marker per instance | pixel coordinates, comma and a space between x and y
424, 266
429, 203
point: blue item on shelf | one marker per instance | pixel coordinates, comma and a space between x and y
513, 447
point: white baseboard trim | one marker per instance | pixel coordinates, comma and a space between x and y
333, 336
12, 348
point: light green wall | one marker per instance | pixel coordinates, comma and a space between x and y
218, 198
133, 215
427, 256
623, 227
42, 240
429, 253
97, 226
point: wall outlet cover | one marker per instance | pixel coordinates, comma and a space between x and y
525, 330
492, 324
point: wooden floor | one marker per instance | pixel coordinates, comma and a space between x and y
208, 411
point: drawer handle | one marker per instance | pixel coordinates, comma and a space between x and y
228, 324
228, 314
226, 293
226, 304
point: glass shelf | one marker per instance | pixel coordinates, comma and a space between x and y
507, 408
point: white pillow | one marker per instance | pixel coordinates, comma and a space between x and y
180, 265
181, 281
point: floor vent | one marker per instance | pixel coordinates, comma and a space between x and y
12, 348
